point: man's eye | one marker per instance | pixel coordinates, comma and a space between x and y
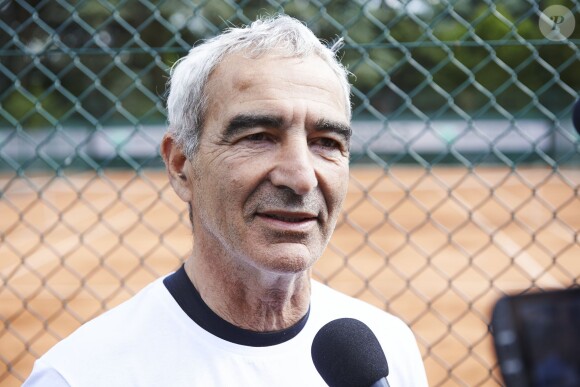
329, 143
256, 137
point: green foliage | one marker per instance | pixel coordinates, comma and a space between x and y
107, 61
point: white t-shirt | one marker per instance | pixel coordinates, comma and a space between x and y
150, 340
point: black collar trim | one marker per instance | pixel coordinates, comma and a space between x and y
188, 298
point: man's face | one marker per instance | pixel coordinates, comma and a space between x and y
271, 170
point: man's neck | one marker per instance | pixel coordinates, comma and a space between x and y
250, 299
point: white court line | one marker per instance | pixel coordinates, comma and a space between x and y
471, 184
501, 238
524, 260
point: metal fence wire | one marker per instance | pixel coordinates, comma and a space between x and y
464, 166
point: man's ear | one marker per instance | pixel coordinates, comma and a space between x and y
175, 162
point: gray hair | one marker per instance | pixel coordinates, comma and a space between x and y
187, 99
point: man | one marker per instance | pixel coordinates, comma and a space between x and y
258, 146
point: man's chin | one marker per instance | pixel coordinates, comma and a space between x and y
286, 258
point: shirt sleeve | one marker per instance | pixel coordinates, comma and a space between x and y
44, 374
416, 376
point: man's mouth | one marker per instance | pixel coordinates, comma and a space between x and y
290, 217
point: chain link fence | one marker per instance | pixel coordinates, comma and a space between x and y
464, 167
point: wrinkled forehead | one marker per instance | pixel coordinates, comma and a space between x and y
267, 75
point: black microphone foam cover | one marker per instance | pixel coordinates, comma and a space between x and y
346, 353
576, 116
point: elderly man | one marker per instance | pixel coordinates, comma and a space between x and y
258, 146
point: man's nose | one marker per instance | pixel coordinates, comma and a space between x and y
294, 167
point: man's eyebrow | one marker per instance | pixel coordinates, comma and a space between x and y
334, 126
242, 122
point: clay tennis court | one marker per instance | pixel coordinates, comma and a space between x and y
435, 247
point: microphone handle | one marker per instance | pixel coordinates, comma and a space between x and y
382, 382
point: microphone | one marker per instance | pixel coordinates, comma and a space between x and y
576, 116
346, 353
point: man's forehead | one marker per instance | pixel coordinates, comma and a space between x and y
244, 71
275, 77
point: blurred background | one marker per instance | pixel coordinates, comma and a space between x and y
464, 167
